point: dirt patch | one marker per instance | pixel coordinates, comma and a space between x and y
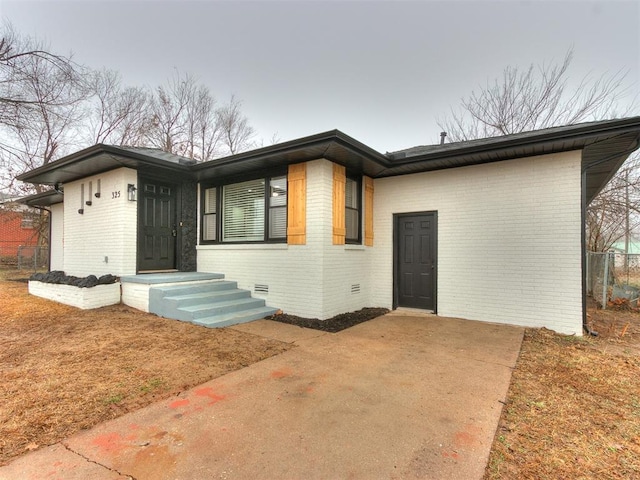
334, 324
573, 407
63, 369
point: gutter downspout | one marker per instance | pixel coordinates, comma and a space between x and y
583, 239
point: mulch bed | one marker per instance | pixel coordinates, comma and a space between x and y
334, 324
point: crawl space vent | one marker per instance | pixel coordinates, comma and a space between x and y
257, 288
355, 288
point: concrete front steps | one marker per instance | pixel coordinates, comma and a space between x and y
202, 299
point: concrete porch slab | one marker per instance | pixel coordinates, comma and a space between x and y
174, 277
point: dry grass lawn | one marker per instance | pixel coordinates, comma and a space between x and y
573, 408
64, 369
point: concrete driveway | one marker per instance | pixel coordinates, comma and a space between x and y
401, 396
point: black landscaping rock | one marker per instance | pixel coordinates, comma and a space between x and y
107, 279
58, 277
88, 282
39, 277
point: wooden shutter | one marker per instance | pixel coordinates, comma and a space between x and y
339, 181
297, 204
368, 211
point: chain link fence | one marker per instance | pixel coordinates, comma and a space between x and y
614, 277
25, 257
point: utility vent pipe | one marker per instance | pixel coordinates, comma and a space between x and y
443, 135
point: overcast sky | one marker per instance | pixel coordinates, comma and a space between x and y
382, 72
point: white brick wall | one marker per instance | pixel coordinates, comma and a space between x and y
508, 239
107, 228
508, 246
136, 295
56, 242
83, 298
312, 280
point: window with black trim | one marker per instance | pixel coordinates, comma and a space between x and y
353, 209
250, 211
209, 215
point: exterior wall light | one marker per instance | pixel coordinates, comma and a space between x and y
132, 192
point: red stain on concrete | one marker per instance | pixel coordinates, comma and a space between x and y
283, 372
134, 426
109, 442
179, 403
209, 393
453, 455
467, 437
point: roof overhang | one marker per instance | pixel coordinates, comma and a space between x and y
43, 199
102, 159
601, 160
605, 146
332, 145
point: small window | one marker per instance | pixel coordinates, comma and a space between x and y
278, 208
352, 210
209, 215
26, 222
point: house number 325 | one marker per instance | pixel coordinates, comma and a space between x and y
115, 194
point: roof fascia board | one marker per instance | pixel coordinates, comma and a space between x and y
96, 150
298, 144
585, 132
72, 158
50, 197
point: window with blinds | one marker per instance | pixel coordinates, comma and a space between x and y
352, 210
251, 211
278, 208
209, 215
243, 211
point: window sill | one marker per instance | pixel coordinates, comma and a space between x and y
244, 246
354, 247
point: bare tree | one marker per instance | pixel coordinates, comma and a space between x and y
535, 98
203, 130
23, 63
40, 98
615, 212
117, 115
237, 134
169, 110
540, 97
187, 121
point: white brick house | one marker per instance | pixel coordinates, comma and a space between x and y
488, 230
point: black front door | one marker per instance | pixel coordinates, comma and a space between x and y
415, 260
157, 228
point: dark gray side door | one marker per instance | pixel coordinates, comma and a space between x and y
415, 250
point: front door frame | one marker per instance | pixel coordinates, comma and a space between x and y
396, 252
146, 176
